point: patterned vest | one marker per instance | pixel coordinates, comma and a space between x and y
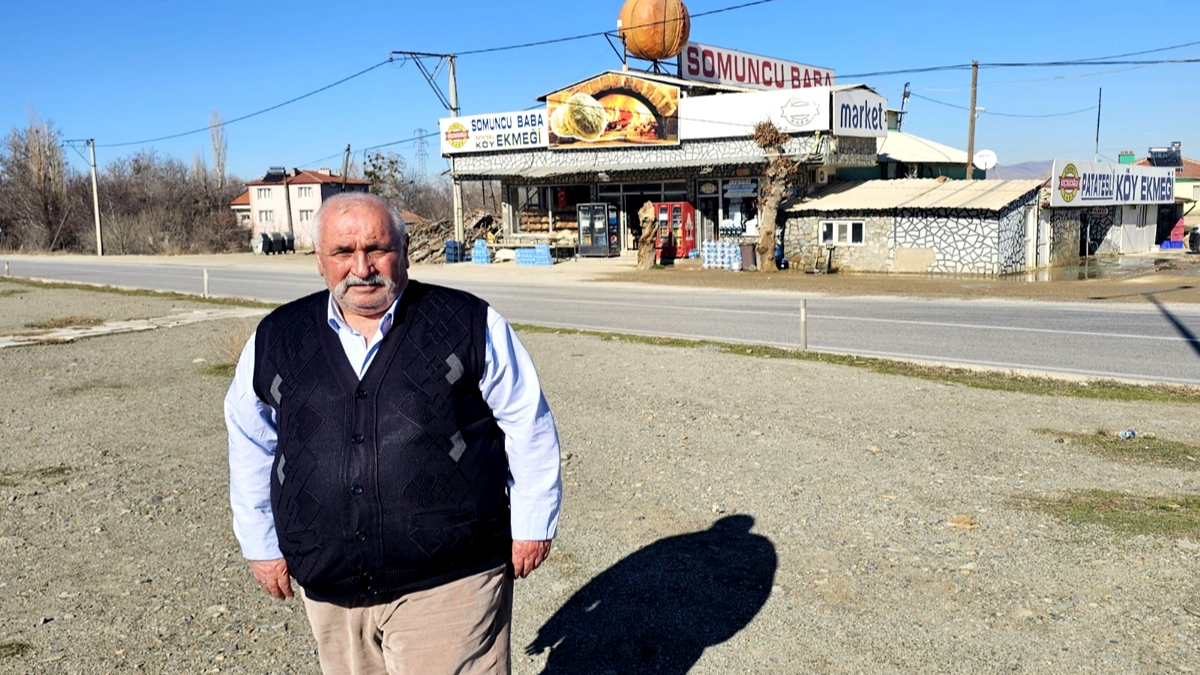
396, 482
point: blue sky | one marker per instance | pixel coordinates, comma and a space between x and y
125, 72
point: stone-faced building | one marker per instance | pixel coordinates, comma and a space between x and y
926, 225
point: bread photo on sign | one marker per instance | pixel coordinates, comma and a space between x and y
581, 116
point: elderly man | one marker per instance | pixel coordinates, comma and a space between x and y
391, 450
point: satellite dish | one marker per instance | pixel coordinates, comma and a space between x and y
984, 160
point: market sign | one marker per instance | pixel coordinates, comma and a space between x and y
705, 63
1087, 184
499, 131
614, 109
859, 112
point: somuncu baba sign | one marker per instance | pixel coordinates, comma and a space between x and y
497, 131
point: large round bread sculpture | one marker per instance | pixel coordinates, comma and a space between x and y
654, 29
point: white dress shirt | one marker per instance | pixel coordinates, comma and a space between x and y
509, 385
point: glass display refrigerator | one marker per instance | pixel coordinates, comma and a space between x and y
599, 230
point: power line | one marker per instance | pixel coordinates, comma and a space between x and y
585, 36
1064, 64
1106, 60
1052, 78
1146, 51
253, 114
376, 147
907, 71
1003, 114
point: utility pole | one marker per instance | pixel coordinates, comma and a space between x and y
287, 200
1099, 105
971, 126
345, 167
451, 104
91, 143
459, 226
96, 198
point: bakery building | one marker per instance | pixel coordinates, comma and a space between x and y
622, 138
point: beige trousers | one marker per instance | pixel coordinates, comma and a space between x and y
459, 628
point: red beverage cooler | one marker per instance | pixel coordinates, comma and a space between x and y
676, 235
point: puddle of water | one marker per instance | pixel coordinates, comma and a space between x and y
1124, 267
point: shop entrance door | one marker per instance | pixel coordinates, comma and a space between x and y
708, 215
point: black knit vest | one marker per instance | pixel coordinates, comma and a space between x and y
394, 483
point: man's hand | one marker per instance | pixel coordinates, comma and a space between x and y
527, 556
273, 576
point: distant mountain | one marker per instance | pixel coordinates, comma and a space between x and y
1032, 170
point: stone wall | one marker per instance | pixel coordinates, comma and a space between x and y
1065, 226
1012, 240
955, 241
962, 241
802, 243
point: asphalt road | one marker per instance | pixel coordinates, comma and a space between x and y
1147, 343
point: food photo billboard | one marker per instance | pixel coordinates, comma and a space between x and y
614, 109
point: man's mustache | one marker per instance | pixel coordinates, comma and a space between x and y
375, 279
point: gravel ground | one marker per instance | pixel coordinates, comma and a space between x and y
723, 515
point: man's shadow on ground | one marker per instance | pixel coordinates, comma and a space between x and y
657, 610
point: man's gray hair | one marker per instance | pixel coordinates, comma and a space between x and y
348, 201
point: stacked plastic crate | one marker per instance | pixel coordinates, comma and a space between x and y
538, 256
480, 254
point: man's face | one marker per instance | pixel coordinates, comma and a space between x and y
363, 264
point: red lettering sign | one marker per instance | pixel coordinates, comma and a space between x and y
718, 65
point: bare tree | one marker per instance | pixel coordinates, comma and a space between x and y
779, 176
431, 197
216, 129
34, 178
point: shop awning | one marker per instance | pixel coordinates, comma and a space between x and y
543, 171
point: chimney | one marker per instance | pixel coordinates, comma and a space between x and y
324, 171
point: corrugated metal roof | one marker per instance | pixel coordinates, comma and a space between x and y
898, 146
918, 193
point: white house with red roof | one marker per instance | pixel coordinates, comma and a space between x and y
284, 201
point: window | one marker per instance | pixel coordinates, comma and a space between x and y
303, 192
266, 216
842, 232
305, 214
264, 193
